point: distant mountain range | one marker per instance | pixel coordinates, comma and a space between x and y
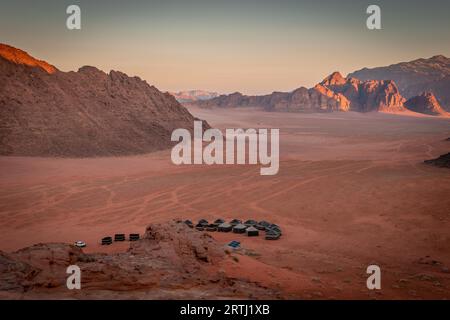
193, 95
415, 77
47, 112
324, 97
336, 93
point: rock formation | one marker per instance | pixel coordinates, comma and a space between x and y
425, 103
415, 77
366, 96
46, 112
442, 161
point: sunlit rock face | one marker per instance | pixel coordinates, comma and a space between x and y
334, 93
47, 112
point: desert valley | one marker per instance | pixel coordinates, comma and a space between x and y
87, 154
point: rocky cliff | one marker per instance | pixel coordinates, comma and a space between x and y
46, 112
425, 103
366, 96
415, 77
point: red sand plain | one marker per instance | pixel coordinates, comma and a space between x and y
351, 191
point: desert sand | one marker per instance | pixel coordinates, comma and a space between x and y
352, 190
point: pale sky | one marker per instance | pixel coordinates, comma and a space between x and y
251, 46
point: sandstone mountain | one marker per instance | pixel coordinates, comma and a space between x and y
425, 103
334, 93
193, 95
47, 112
415, 77
366, 96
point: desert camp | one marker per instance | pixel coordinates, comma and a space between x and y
250, 228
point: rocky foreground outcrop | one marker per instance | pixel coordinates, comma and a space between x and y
334, 93
47, 112
171, 261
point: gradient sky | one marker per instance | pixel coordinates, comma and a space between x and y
251, 46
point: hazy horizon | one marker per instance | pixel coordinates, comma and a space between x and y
254, 47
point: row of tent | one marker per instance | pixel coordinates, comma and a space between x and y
120, 237
250, 227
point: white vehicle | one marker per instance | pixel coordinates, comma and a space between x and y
80, 244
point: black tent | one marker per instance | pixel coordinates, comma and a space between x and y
240, 228
252, 232
219, 222
235, 222
106, 241
119, 237
275, 228
272, 235
134, 236
189, 223
225, 227
250, 223
200, 227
